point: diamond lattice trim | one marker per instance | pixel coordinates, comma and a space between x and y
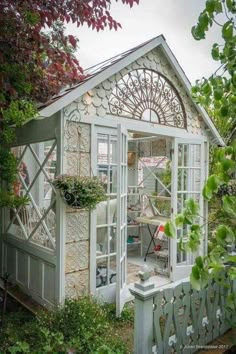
36, 223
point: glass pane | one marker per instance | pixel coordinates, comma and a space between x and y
181, 256
189, 155
101, 272
195, 154
195, 178
113, 210
112, 238
102, 241
183, 179
103, 149
113, 150
103, 175
113, 179
102, 213
112, 270
183, 155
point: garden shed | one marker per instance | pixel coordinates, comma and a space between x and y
131, 122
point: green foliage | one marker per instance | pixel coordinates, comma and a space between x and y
81, 192
211, 186
185, 220
10, 200
18, 112
199, 276
165, 176
170, 229
218, 92
218, 95
127, 314
82, 326
8, 166
223, 232
13, 116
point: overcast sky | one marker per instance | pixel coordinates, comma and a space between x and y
172, 18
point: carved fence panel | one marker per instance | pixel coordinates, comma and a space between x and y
183, 319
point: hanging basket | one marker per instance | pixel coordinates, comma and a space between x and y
71, 199
80, 192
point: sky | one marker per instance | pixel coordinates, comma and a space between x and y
172, 18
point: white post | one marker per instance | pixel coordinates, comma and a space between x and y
144, 293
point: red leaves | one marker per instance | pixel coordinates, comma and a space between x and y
45, 61
72, 40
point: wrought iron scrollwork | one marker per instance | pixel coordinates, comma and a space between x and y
144, 94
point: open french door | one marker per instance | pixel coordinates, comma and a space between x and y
121, 241
188, 176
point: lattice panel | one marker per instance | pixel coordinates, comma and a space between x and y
35, 222
144, 94
185, 318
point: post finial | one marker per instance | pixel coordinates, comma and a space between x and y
145, 273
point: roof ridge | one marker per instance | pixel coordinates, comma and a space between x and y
123, 53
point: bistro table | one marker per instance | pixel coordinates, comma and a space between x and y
157, 221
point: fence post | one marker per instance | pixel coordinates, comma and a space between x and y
143, 321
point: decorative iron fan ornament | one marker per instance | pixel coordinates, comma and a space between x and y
147, 95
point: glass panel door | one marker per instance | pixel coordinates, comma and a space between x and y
106, 214
188, 178
109, 160
121, 219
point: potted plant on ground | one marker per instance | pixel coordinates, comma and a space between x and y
80, 192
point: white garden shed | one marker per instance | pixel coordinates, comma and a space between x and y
132, 122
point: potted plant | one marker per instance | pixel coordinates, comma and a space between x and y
80, 192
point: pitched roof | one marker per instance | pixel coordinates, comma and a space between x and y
102, 71
89, 73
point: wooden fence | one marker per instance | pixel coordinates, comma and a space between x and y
178, 319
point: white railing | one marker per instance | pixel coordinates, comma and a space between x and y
177, 318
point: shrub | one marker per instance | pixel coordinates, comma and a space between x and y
82, 326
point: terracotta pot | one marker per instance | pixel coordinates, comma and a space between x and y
131, 158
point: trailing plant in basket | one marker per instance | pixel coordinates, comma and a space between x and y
80, 192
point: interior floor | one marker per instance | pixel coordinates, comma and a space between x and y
135, 263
